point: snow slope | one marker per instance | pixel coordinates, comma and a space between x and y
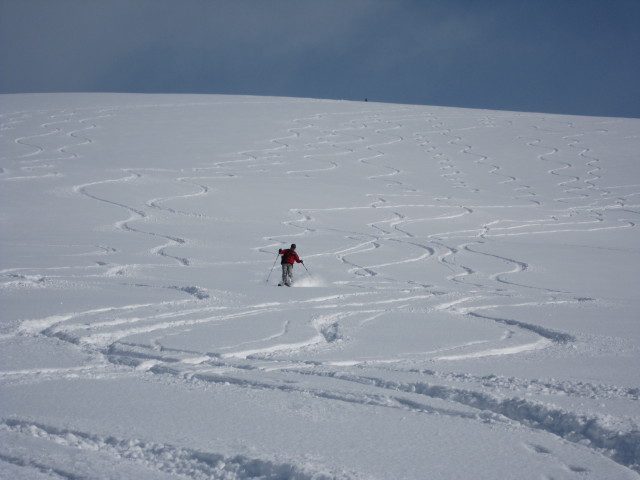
470, 310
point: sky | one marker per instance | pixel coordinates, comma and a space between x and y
557, 56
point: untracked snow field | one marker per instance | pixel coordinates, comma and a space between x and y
468, 307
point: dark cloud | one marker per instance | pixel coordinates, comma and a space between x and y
542, 55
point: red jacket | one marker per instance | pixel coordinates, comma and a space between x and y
289, 256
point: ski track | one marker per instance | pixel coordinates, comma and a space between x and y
164, 460
473, 279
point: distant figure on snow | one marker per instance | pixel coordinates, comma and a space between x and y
289, 257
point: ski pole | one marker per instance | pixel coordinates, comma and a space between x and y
274, 266
305, 267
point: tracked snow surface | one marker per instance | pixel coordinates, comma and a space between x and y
471, 308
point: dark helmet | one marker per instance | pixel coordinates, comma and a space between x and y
293, 246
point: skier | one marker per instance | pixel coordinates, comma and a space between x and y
289, 257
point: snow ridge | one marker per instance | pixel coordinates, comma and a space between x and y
154, 457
